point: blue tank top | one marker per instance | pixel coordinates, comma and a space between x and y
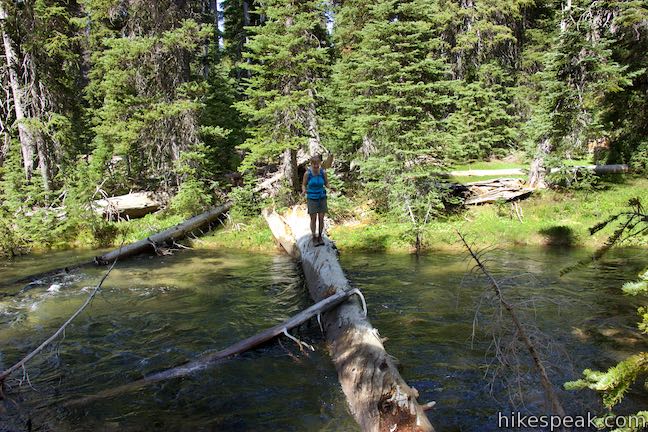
315, 186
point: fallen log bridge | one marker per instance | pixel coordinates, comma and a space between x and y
379, 399
150, 243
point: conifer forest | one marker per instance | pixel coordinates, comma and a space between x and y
443, 126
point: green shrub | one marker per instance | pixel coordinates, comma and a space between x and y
192, 198
639, 160
567, 177
246, 202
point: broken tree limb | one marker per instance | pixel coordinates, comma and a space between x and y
379, 399
207, 360
150, 243
21, 364
556, 406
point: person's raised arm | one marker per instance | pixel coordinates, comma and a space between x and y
328, 162
325, 178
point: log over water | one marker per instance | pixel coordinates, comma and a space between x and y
150, 243
379, 399
177, 232
598, 169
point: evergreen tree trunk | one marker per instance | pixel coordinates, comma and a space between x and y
368, 146
314, 142
246, 23
27, 138
39, 110
289, 168
538, 172
4, 148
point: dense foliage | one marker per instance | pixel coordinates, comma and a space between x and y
107, 96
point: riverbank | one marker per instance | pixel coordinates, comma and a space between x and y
548, 218
560, 218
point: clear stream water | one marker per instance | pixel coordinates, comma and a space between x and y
156, 312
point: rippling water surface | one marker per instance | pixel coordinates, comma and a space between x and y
156, 312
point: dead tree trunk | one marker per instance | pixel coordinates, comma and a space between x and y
556, 406
538, 172
314, 142
26, 136
170, 234
289, 168
379, 398
208, 360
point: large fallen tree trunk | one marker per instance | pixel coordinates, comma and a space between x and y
132, 205
379, 399
150, 243
598, 169
177, 232
240, 347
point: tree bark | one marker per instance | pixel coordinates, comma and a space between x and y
26, 136
377, 395
289, 168
538, 172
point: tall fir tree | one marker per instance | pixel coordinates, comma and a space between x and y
391, 87
148, 92
288, 60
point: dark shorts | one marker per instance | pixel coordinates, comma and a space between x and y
316, 205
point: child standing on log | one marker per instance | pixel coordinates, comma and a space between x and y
314, 186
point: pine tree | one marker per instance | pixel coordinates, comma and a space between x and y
288, 60
625, 113
238, 16
392, 88
147, 93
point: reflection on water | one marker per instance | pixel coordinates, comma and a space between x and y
155, 312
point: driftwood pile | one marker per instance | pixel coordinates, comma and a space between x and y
490, 191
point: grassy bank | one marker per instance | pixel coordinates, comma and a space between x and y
550, 218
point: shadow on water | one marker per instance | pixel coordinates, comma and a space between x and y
156, 312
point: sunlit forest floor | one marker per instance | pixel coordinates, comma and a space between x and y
549, 218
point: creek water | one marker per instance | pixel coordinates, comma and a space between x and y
439, 317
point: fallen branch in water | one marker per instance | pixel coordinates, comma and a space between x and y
556, 406
28, 357
240, 347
